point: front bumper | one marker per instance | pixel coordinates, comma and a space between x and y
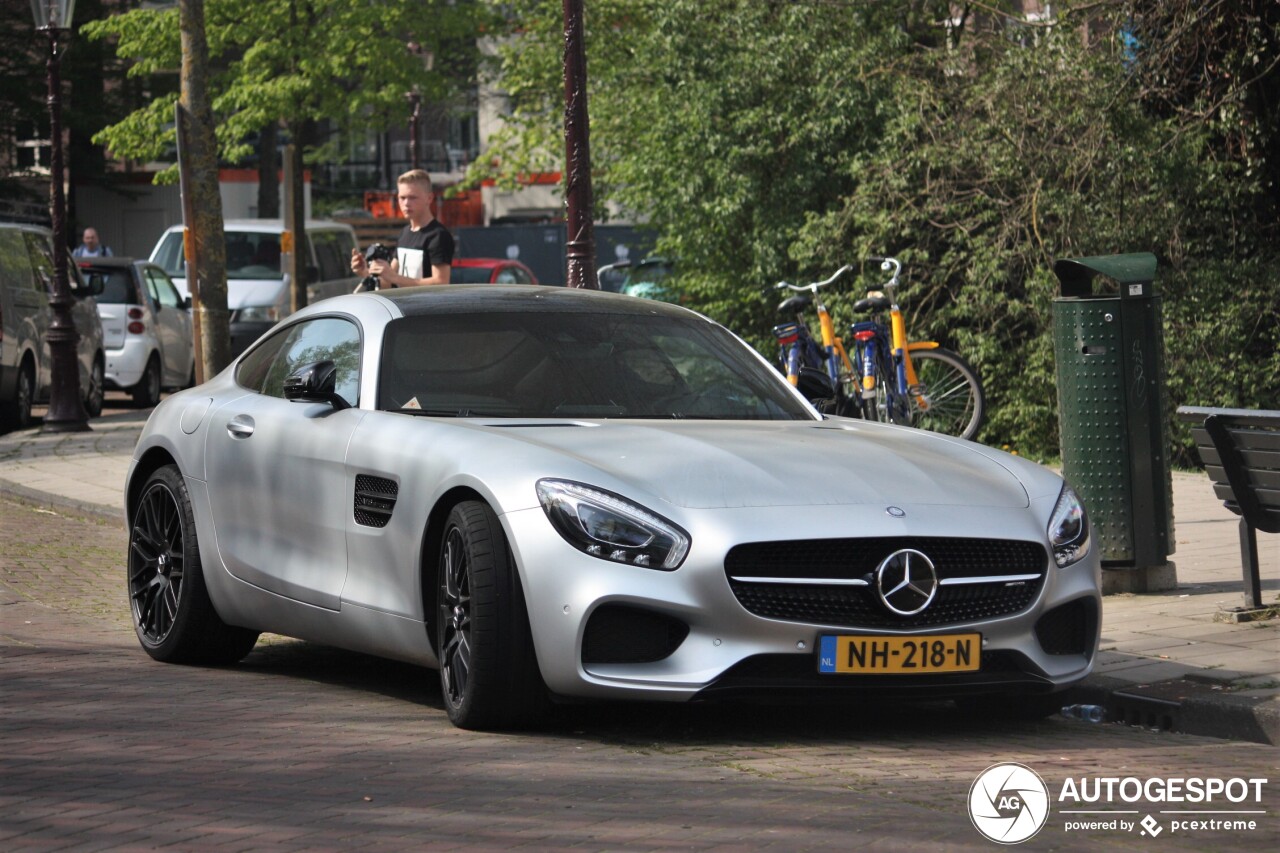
605, 630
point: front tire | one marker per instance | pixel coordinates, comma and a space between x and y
172, 614
95, 394
489, 674
17, 414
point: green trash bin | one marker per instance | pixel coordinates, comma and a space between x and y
1109, 348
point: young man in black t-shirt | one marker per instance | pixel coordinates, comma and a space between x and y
424, 251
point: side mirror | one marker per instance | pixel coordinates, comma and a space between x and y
817, 388
315, 383
186, 303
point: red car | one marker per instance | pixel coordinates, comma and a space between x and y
490, 271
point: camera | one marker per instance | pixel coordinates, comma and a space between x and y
379, 252
375, 252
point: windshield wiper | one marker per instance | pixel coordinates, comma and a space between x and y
439, 413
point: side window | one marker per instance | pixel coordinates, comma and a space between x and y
323, 339
252, 370
162, 289
15, 264
41, 261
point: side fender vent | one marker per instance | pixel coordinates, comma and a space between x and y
375, 499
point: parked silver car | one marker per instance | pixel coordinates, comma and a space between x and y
26, 283
548, 492
146, 327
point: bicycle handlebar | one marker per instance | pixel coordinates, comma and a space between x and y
885, 263
813, 285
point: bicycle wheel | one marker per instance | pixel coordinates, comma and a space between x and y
950, 399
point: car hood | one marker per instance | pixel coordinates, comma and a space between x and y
708, 465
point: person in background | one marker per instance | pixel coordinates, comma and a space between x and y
91, 247
424, 250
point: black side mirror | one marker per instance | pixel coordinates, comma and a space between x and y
315, 383
186, 302
817, 388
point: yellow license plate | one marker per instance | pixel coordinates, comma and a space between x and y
900, 655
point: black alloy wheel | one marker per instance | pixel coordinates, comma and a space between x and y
172, 614
489, 674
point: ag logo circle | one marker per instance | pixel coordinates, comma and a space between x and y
1008, 803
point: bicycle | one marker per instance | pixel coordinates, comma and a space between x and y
917, 383
822, 371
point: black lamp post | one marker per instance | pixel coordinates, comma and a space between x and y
66, 408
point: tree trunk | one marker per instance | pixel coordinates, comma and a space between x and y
268, 173
208, 282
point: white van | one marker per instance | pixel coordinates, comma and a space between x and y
257, 288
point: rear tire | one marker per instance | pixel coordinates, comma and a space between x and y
147, 392
174, 619
957, 405
17, 413
489, 674
96, 392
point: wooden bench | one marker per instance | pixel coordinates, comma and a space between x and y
1240, 449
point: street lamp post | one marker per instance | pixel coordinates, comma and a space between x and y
66, 408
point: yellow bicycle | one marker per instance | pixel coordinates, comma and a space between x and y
917, 383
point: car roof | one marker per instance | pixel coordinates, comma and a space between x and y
470, 298
113, 261
272, 226
27, 226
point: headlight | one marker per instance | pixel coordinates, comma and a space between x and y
258, 314
605, 525
1068, 529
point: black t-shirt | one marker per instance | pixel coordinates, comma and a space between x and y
417, 251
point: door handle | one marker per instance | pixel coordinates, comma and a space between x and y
241, 426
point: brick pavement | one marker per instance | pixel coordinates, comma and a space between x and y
307, 748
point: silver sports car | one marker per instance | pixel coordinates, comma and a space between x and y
550, 494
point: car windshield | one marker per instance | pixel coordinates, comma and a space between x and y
250, 255
542, 364
117, 285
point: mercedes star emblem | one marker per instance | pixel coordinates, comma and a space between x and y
906, 582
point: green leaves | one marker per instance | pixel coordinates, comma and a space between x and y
767, 140
343, 60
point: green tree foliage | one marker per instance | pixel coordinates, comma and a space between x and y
766, 140
346, 61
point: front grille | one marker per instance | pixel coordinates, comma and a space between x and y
1069, 629
620, 634
798, 572
375, 499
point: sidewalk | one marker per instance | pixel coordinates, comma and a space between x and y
1164, 663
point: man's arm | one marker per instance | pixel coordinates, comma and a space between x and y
390, 275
